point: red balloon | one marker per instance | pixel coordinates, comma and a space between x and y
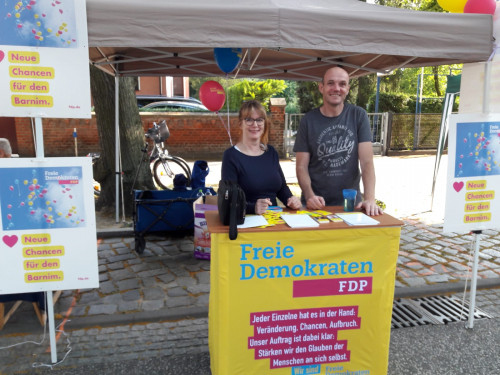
212, 95
480, 6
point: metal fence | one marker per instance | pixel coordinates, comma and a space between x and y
415, 132
401, 131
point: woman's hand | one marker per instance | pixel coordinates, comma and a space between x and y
261, 205
294, 203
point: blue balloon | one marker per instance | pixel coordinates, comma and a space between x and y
227, 58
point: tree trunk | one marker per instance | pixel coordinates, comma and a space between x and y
435, 71
131, 141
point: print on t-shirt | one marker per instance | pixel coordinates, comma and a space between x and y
334, 148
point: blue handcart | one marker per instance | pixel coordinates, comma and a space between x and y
164, 211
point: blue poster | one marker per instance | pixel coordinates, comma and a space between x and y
38, 23
42, 198
477, 149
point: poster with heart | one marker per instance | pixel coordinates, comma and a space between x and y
44, 68
473, 182
47, 225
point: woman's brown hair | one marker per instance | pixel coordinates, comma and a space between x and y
254, 105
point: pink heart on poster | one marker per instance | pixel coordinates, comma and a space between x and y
10, 241
458, 186
1, 55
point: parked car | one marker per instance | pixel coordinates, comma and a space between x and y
174, 106
143, 100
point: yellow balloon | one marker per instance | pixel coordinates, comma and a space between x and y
454, 6
49, 30
18, 15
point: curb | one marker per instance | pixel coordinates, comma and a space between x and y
119, 232
445, 288
184, 313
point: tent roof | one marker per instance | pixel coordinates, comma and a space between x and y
281, 39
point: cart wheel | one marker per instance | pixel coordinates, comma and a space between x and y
140, 244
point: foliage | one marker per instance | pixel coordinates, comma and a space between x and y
289, 93
261, 90
239, 90
366, 85
423, 5
309, 96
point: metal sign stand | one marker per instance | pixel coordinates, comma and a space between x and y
40, 155
473, 285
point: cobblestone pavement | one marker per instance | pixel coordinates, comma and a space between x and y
166, 280
156, 303
132, 342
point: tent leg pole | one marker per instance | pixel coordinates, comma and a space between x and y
117, 149
473, 285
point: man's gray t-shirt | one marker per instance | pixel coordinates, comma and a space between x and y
332, 143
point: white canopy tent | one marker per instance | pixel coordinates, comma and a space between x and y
280, 39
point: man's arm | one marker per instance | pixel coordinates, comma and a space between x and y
313, 201
365, 152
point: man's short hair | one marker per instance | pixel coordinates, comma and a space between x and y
5, 146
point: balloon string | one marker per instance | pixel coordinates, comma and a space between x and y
225, 127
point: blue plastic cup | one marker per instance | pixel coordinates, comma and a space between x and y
349, 199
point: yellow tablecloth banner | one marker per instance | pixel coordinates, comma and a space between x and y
302, 302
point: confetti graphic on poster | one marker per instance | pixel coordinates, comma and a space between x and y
42, 198
477, 149
38, 23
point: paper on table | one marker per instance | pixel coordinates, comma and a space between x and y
357, 218
253, 221
300, 221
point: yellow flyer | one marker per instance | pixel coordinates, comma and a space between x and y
302, 302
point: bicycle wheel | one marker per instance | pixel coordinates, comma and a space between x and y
165, 170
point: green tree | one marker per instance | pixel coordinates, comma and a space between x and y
239, 90
308, 95
102, 87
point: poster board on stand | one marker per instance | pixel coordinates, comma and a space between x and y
473, 182
47, 225
44, 60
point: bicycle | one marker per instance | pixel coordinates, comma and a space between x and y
97, 185
165, 167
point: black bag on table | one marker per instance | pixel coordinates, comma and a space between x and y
231, 202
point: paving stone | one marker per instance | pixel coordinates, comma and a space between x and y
415, 281
437, 279
131, 295
154, 294
176, 292
128, 284
424, 260
203, 277
129, 306
87, 298
103, 309
152, 305
115, 266
107, 287
186, 281
121, 275
200, 288
492, 253
179, 301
